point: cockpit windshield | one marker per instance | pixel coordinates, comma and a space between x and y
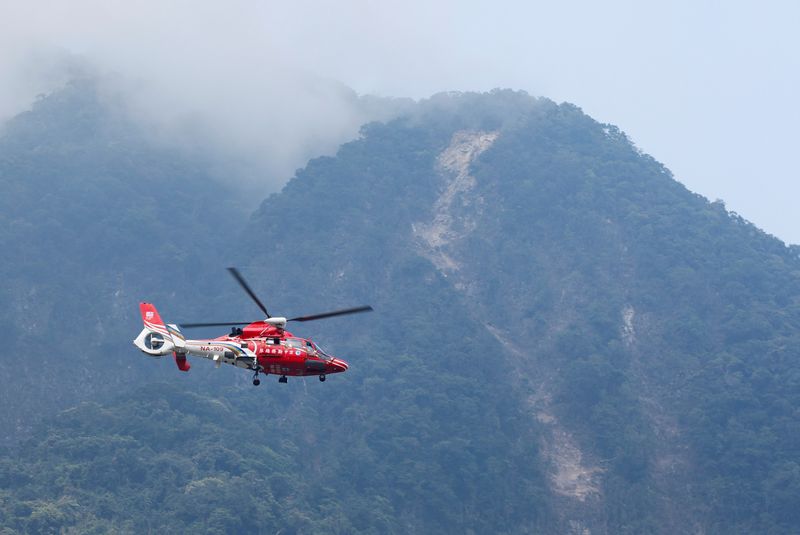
309, 346
322, 354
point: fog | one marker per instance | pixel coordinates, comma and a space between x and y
708, 88
228, 79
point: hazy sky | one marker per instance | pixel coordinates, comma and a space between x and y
708, 88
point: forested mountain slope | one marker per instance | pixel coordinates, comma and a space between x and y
94, 218
565, 340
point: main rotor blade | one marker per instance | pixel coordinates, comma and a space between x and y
191, 325
246, 287
324, 315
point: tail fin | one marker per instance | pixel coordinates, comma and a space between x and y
158, 339
155, 339
151, 318
153, 321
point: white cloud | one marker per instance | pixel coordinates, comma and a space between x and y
230, 77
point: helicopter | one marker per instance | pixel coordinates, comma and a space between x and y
263, 346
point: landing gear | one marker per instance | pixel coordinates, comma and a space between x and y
322, 378
283, 379
256, 381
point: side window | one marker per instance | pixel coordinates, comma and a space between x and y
294, 343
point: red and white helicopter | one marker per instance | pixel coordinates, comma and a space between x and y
263, 346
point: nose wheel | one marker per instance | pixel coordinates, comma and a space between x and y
256, 380
322, 378
283, 379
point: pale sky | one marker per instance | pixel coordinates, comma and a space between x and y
708, 88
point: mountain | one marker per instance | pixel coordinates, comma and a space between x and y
566, 340
95, 216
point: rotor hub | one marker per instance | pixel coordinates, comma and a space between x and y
276, 322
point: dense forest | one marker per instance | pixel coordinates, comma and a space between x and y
565, 338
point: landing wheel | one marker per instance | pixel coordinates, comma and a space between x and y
322, 378
283, 379
256, 381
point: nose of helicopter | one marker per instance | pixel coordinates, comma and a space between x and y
337, 365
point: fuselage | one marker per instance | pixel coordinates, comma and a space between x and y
274, 352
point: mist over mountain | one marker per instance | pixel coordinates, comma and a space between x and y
565, 339
252, 120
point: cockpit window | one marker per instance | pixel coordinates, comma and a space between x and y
322, 354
